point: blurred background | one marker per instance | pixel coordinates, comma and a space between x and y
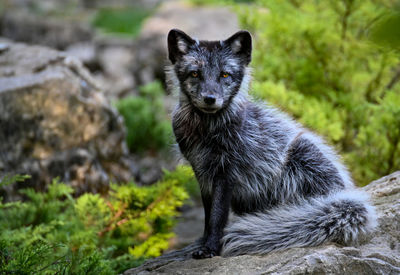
90, 179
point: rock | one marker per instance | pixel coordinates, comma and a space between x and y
25, 26
115, 61
150, 50
140, 4
380, 254
151, 166
109, 63
40, 6
190, 224
84, 51
55, 122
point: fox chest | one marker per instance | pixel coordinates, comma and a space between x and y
202, 145
232, 155
202, 149
212, 153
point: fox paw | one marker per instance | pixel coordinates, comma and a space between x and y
204, 252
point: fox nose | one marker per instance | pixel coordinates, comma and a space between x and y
209, 99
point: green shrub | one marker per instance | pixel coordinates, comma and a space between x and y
315, 60
124, 21
52, 232
386, 32
185, 174
148, 128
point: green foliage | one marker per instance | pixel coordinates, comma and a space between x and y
7, 180
52, 232
125, 21
42, 258
380, 138
148, 127
315, 60
185, 174
386, 31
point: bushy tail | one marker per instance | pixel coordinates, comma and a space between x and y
340, 217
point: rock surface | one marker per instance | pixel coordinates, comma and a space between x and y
28, 27
55, 122
115, 61
380, 254
190, 224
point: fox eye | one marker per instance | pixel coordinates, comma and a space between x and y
224, 74
194, 74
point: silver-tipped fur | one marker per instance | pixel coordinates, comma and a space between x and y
340, 217
285, 185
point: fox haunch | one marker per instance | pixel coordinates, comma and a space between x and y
286, 187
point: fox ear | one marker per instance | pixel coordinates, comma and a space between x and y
178, 44
240, 44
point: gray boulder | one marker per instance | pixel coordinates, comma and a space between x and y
28, 27
379, 254
115, 61
56, 122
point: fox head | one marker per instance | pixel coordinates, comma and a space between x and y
209, 73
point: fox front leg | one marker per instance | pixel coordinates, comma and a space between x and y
216, 216
207, 201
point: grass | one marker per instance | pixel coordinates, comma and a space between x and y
123, 21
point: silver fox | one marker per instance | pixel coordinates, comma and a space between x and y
285, 185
